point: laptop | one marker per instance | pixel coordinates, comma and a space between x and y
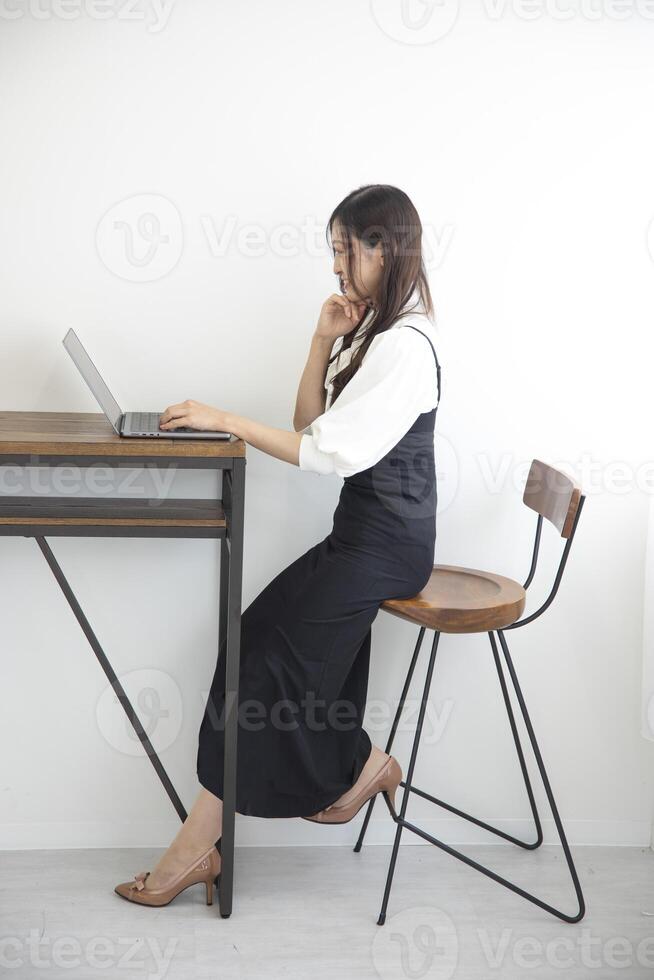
140, 425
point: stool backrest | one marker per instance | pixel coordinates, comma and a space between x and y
553, 495
557, 498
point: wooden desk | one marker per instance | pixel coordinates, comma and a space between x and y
86, 440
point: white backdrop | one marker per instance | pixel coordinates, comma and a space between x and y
648, 637
167, 174
648, 633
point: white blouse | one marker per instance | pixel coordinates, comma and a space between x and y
395, 382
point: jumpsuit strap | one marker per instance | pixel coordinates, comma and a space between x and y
438, 367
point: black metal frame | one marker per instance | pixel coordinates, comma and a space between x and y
401, 820
231, 568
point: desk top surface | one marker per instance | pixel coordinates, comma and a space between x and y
90, 434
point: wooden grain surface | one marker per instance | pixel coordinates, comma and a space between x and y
90, 434
462, 600
54, 511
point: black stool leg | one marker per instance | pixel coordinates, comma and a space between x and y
548, 789
521, 756
409, 777
528, 845
391, 737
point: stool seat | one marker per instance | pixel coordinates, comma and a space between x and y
462, 600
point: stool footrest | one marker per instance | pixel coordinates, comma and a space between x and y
491, 874
530, 846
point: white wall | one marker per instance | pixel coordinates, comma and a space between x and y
526, 144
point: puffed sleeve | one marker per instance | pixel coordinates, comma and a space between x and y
396, 382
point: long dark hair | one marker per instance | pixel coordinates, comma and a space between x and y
381, 213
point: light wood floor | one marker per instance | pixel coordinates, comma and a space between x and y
311, 912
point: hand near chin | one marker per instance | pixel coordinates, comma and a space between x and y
338, 316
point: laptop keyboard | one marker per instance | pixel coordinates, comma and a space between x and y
149, 422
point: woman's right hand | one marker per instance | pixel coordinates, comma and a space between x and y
338, 317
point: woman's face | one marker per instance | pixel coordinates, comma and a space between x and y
361, 282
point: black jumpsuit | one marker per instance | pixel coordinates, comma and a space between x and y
305, 639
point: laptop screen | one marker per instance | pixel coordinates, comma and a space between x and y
91, 375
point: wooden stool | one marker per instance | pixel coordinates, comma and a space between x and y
469, 600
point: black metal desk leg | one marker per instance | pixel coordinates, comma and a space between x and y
235, 480
224, 587
222, 619
111, 676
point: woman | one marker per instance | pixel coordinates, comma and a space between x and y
365, 412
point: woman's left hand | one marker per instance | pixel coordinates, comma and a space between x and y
195, 415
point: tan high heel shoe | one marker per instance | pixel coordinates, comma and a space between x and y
205, 869
387, 779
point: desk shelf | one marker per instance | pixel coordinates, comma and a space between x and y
97, 517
